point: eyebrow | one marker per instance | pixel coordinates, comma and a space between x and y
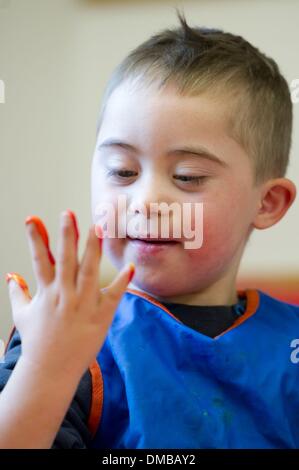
198, 150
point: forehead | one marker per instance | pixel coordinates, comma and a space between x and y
131, 103
156, 120
148, 116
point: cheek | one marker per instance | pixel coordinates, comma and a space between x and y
223, 232
101, 193
106, 214
114, 250
104, 201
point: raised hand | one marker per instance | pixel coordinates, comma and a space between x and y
65, 323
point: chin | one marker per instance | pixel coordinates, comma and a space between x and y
157, 289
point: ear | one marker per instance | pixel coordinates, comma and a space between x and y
277, 195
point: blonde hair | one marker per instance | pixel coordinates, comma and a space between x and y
203, 60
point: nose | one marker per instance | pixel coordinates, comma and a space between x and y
148, 197
151, 208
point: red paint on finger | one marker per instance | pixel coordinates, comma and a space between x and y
43, 233
131, 272
20, 281
99, 233
51, 257
73, 217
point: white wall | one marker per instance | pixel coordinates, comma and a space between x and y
55, 57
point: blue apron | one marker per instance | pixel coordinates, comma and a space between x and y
158, 383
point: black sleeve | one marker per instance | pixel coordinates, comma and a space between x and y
10, 358
73, 432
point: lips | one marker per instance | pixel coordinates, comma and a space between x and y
151, 248
153, 240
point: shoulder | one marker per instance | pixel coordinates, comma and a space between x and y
278, 313
269, 301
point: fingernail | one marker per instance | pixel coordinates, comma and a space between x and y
131, 271
43, 233
65, 219
74, 220
19, 280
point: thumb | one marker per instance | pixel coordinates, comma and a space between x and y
116, 289
18, 291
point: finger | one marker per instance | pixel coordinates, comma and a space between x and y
111, 295
88, 273
75, 224
67, 256
43, 261
19, 294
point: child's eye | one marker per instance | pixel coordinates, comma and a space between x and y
190, 179
121, 173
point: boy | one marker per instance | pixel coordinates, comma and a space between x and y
191, 116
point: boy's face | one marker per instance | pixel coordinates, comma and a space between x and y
155, 125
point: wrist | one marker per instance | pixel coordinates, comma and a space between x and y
49, 372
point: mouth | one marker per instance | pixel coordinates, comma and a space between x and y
156, 241
149, 248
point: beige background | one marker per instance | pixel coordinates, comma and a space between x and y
55, 57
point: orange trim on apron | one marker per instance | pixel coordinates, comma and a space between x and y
253, 300
251, 295
153, 301
97, 395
